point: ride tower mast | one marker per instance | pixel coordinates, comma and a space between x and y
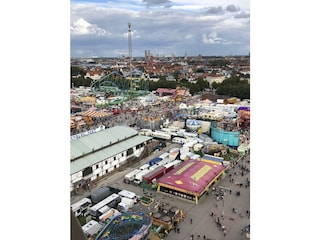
130, 59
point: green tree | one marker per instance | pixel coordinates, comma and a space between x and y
202, 83
176, 74
233, 87
75, 70
199, 70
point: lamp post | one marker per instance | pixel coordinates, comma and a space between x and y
223, 206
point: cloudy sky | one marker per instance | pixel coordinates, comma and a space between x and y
165, 27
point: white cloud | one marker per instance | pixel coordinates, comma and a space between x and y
134, 34
188, 36
82, 27
176, 29
212, 38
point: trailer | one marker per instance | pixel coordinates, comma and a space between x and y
81, 207
164, 161
111, 201
153, 167
130, 176
164, 155
138, 177
125, 204
104, 209
176, 163
91, 228
190, 135
178, 140
161, 135
100, 194
127, 194
190, 144
154, 161
144, 166
169, 166
158, 172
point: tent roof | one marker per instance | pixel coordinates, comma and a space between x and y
192, 176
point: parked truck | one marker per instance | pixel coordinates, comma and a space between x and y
125, 204
128, 194
138, 177
154, 161
131, 175
100, 194
155, 174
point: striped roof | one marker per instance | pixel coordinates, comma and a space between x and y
93, 113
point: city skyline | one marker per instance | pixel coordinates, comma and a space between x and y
165, 28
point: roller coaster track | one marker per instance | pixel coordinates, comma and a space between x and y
119, 84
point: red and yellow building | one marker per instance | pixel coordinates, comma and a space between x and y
191, 179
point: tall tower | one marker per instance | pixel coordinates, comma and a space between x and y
130, 58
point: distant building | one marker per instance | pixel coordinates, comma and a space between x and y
170, 78
173, 92
95, 73
217, 78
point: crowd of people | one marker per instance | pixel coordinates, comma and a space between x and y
220, 217
127, 117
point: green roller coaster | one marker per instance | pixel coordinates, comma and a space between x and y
117, 84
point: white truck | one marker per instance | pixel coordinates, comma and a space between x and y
125, 204
144, 166
138, 177
131, 175
127, 194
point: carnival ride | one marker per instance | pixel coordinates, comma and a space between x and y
167, 216
118, 84
127, 226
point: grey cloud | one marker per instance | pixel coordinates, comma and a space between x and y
214, 10
150, 3
162, 31
232, 8
242, 15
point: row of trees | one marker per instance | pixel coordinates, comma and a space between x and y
194, 87
233, 86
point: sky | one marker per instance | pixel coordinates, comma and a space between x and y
165, 27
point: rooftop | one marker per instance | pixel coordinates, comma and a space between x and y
99, 140
109, 142
192, 176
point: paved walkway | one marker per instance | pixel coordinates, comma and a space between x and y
202, 223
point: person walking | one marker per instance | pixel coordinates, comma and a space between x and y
191, 220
